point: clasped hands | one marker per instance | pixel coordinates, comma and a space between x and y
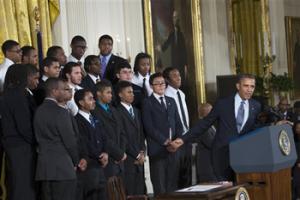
140, 159
173, 146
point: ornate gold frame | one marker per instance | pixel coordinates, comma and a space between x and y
197, 41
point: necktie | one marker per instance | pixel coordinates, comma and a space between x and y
97, 80
182, 110
131, 112
144, 87
240, 116
103, 66
92, 121
162, 103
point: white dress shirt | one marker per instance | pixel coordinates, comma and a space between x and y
138, 80
3, 69
157, 97
85, 115
94, 78
172, 92
237, 103
73, 59
71, 104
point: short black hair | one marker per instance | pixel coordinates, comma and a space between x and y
243, 76
167, 71
121, 85
105, 37
79, 95
26, 50
31, 69
138, 57
52, 51
47, 62
68, 69
52, 83
8, 45
121, 65
88, 62
100, 86
154, 76
77, 38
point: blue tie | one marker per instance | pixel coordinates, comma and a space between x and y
92, 120
131, 112
240, 116
103, 66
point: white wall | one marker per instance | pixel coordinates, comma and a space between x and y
121, 19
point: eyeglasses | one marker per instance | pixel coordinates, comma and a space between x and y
159, 84
16, 51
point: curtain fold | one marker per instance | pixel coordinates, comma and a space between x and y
18, 21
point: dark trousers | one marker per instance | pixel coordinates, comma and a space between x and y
164, 173
221, 166
135, 182
91, 184
21, 162
59, 190
185, 166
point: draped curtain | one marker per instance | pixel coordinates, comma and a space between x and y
18, 21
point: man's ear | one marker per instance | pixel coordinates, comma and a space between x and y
237, 85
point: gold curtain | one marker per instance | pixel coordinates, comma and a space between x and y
18, 21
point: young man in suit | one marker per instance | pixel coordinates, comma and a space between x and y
72, 73
92, 68
107, 59
235, 115
58, 156
58, 53
78, 48
112, 125
49, 68
124, 73
162, 124
29, 55
135, 148
91, 129
173, 79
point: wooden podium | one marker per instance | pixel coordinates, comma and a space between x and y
263, 159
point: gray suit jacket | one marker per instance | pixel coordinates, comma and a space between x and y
57, 143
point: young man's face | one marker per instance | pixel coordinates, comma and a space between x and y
88, 102
33, 81
246, 88
144, 66
105, 96
126, 95
53, 70
32, 58
105, 46
61, 57
159, 85
75, 76
15, 54
125, 74
95, 67
78, 49
175, 79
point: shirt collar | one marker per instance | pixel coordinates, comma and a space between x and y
126, 105
73, 59
29, 91
85, 114
44, 77
94, 78
107, 57
8, 62
238, 99
141, 77
172, 89
157, 96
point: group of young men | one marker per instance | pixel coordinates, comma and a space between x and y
87, 123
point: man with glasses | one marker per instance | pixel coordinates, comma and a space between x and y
78, 46
13, 54
162, 124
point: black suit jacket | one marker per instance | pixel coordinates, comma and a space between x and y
88, 83
93, 137
224, 115
17, 117
57, 143
134, 135
110, 70
39, 93
157, 123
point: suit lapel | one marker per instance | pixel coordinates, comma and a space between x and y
251, 110
231, 117
157, 103
128, 116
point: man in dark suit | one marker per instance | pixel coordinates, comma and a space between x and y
49, 68
162, 124
112, 125
107, 59
58, 157
235, 115
135, 148
92, 68
91, 129
124, 73
17, 111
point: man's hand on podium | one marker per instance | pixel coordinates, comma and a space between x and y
281, 122
174, 145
